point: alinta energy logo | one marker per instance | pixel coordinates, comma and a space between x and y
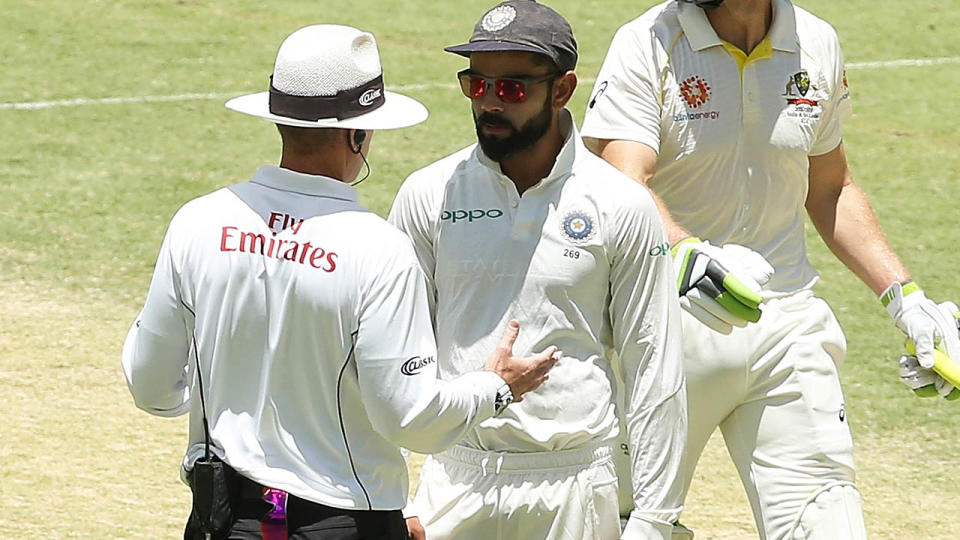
695, 91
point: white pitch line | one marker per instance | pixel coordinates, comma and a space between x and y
906, 62
34, 105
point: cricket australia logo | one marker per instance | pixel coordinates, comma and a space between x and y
498, 18
798, 85
578, 226
416, 364
695, 91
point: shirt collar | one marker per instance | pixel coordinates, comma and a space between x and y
307, 184
572, 148
702, 36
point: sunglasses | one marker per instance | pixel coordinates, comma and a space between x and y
509, 90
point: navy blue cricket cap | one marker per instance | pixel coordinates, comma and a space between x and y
523, 25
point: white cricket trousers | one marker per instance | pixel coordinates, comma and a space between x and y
467, 494
774, 391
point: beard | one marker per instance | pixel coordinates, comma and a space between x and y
497, 148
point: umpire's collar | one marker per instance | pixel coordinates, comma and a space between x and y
700, 35
306, 184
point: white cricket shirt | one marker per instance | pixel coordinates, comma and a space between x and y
309, 317
581, 259
733, 133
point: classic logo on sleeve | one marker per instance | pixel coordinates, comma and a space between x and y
416, 364
577, 226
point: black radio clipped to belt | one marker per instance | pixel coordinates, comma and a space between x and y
213, 484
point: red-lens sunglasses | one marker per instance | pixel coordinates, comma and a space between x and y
509, 90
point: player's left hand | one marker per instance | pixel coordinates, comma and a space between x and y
933, 340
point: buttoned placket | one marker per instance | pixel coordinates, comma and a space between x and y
751, 113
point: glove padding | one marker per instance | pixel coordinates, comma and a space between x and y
720, 285
933, 340
929, 382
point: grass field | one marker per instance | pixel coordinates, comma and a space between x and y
87, 190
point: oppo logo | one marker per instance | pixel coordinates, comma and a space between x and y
454, 216
661, 249
416, 364
369, 96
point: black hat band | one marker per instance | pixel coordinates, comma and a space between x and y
345, 104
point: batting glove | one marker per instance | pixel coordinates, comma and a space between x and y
720, 285
933, 340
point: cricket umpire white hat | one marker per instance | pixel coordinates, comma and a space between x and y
329, 76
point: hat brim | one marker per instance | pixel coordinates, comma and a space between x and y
492, 46
397, 111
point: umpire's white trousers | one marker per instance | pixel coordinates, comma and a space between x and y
466, 494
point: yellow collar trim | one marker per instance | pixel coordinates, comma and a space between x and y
763, 50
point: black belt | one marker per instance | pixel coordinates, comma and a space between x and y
248, 489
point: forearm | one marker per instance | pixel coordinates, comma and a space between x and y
422, 413
155, 367
849, 227
657, 439
675, 231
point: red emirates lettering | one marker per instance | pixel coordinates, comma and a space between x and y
233, 239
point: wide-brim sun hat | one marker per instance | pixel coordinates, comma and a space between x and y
329, 76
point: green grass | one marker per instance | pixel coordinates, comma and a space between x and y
88, 190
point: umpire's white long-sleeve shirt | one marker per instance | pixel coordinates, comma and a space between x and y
309, 318
581, 259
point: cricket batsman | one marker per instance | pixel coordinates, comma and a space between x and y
731, 113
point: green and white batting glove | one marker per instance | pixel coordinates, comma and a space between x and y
720, 285
933, 340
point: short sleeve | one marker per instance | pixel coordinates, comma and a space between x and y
626, 100
838, 107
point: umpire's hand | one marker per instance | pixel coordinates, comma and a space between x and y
521, 374
415, 529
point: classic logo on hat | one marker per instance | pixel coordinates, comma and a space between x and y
329, 76
578, 226
370, 96
498, 18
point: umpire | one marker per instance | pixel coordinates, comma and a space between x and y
300, 320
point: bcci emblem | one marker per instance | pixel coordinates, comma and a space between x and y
578, 226
498, 18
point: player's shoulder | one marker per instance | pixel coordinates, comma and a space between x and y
814, 33
204, 208
658, 23
436, 175
661, 16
